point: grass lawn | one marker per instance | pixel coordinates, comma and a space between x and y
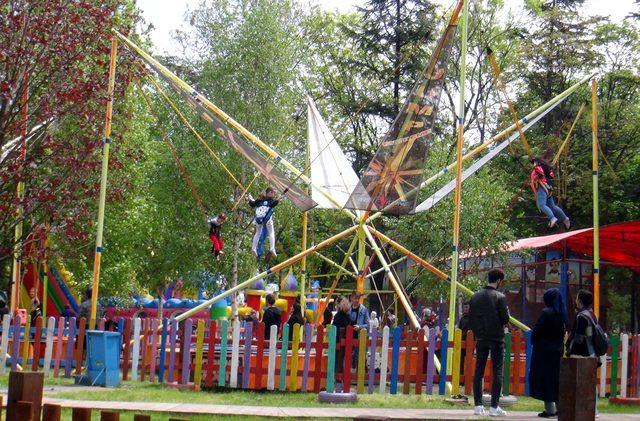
146, 392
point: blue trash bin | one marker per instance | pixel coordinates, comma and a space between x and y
103, 357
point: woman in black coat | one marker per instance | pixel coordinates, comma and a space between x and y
547, 339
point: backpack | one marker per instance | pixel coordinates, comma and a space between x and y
599, 337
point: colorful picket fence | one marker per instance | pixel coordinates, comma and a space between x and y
306, 358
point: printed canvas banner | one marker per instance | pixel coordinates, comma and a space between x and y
391, 180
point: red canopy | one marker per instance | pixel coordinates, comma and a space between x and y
619, 243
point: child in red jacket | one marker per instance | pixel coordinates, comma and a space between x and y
540, 182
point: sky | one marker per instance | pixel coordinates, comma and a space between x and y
167, 15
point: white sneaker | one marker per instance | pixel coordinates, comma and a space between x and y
497, 412
478, 410
553, 222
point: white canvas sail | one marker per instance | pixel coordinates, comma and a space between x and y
330, 168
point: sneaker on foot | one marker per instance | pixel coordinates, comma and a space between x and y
567, 224
497, 412
478, 410
553, 222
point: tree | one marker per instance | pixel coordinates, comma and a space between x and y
60, 51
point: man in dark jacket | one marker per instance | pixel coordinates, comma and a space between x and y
489, 315
271, 316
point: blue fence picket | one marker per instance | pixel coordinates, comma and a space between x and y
395, 359
444, 344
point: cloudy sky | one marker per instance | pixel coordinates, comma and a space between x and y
167, 15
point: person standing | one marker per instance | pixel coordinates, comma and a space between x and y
547, 339
359, 313
341, 321
272, 316
489, 315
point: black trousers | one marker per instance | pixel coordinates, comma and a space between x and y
483, 349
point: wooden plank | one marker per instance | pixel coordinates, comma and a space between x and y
154, 349
319, 347
271, 367
186, 352
307, 356
517, 365
444, 344
79, 352
346, 366
58, 355
406, 376
421, 343
395, 360
26, 341
48, 350
135, 353
24, 387
468, 363
528, 353
197, 374
295, 348
23, 411
624, 366
224, 340
211, 354
362, 360
81, 414
384, 359
506, 383
71, 339
431, 353
258, 376
126, 353
109, 416
163, 350
373, 346
235, 354
15, 353
615, 358
246, 362
455, 368
331, 360
51, 412
4, 342
173, 338
283, 357
37, 339
144, 348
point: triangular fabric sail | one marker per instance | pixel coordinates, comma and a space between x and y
278, 179
389, 182
432, 200
330, 168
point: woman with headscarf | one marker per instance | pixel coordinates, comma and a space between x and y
547, 339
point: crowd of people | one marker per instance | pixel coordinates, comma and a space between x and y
488, 316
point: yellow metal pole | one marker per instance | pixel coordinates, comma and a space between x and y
440, 274
270, 152
596, 207
103, 184
457, 198
303, 240
566, 140
277, 268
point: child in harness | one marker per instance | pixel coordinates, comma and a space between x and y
264, 206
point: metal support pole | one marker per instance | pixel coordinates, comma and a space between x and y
458, 191
596, 209
103, 184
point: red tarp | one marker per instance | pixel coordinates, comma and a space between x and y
619, 243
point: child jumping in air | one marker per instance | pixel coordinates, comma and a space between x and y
215, 234
540, 182
263, 221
